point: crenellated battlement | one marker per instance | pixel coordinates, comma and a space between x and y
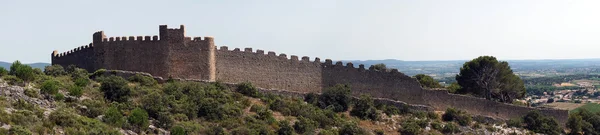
55, 53
328, 64
292, 58
131, 39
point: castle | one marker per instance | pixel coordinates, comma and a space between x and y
172, 54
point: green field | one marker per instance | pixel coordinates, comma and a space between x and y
592, 107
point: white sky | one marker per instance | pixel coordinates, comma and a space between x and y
342, 29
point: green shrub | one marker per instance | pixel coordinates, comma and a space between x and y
115, 88
410, 127
364, 108
59, 97
155, 103
19, 130
514, 122
178, 130
55, 70
390, 110
3, 71
422, 123
247, 89
328, 132
64, 117
436, 125
256, 108
539, 123
420, 114
461, 117
450, 128
32, 93
82, 82
139, 119
22, 104
21, 71
285, 128
304, 125
433, 115
114, 117
38, 71
49, 87
94, 108
79, 73
75, 91
216, 130
143, 80
24, 117
337, 98
311, 98
13, 80
352, 129
164, 120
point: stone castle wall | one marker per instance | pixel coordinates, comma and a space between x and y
171, 54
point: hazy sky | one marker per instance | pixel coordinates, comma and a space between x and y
339, 30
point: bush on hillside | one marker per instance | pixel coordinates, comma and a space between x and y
311, 98
63, 117
70, 69
49, 87
410, 127
364, 108
285, 128
75, 91
55, 70
93, 108
114, 117
461, 117
82, 82
450, 128
304, 125
3, 71
115, 88
514, 123
59, 97
178, 130
352, 129
575, 123
21, 71
31, 93
336, 98
79, 73
539, 123
143, 80
13, 80
19, 130
247, 89
139, 119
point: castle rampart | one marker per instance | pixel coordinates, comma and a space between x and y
172, 54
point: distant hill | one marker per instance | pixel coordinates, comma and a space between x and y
448, 69
34, 65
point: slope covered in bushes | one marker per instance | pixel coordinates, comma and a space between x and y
138, 104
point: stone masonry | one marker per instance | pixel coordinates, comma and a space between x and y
172, 54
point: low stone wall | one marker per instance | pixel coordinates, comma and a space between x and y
441, 99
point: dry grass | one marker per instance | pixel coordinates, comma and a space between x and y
564, 106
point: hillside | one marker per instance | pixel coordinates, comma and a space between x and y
100, 103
